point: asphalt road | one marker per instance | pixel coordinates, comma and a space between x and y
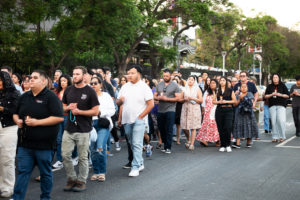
267, 171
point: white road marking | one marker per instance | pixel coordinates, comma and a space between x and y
286, 141
291, 147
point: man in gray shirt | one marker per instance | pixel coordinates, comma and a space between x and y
167, 93
295, 93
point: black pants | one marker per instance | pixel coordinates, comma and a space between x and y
114, 131
224, 119
296, 115
130, 154
165, 122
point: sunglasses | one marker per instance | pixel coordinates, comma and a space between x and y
33, 77
165, 89
93, 83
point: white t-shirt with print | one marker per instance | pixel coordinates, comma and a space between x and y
135, 98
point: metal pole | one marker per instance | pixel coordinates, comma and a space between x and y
260, 74
253, 64
223, 54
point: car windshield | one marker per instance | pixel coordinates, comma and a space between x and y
289, 85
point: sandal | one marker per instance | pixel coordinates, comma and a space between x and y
101, 177
158, 146
281, 140
218, 144
38, 179
95, 177
204, 143
192, 147
274, 140
187, 145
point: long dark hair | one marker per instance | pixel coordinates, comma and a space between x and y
19, 77
276, 74
206, 86
151, 84
227, 90
100, 80
209, 90
7, 82
66, 76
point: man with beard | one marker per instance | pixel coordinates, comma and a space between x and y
167, 93
81, 102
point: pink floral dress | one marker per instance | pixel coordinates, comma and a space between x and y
190, 113
209, 130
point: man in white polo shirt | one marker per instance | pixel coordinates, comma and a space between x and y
137, 100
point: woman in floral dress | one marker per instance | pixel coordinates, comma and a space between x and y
209, 130
191, 113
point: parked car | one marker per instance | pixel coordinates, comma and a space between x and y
289, 85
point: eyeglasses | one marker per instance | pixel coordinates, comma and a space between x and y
242, 75
93, 83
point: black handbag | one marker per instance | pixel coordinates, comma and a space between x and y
103, 122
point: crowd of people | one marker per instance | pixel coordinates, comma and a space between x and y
73, 120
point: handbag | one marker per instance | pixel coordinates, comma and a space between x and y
103, 122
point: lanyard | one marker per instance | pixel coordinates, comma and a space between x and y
73, 120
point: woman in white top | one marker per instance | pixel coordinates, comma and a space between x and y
98, 148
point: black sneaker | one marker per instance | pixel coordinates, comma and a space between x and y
248, 145
234, 145
127, 166
266, 131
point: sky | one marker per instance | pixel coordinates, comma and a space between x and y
287, 12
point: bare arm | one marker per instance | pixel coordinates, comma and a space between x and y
92, 112
49, 121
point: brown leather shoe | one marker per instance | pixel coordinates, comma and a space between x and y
70, 185
79, 187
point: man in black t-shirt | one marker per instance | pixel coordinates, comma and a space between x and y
81, 102
38, 114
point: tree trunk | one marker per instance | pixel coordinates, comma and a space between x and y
238, 58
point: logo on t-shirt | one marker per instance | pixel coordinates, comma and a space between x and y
83, 97
38, 101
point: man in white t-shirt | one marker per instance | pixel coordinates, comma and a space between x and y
137, 100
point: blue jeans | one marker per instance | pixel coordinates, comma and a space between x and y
267, 124
27, 159
165, 123
135, 133
59, 140
99, 157
278, 118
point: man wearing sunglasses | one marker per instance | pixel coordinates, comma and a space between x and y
167, 93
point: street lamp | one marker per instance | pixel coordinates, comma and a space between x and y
223, 55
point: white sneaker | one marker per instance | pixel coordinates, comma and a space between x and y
118, 147
141, 168
58, 165
112, 141
75, 161
228, 149
134, 173
222, 149
6, 194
